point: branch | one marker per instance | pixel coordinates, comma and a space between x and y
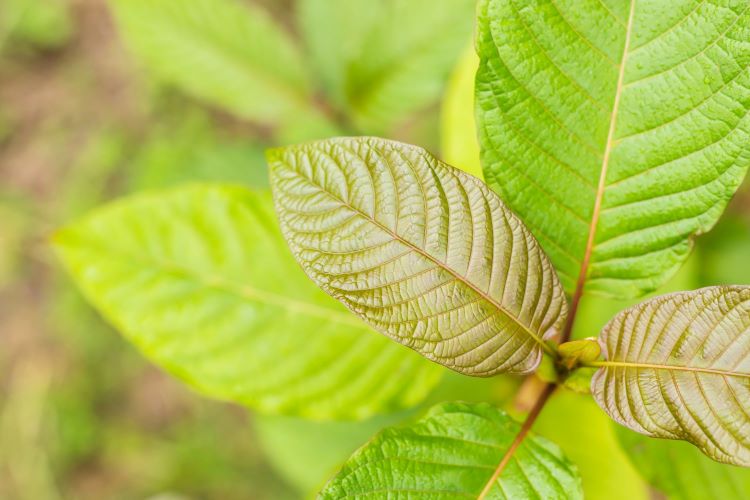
525, 428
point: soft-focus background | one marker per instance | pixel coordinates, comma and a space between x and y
95, 106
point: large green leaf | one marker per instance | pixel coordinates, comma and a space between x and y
200, 280
453, 453
616, 129
423, 252
382, 60
678, 367
229, 54
681, 472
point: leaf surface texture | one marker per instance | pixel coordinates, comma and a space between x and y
616, 129
423, 252
678, 367
452, 453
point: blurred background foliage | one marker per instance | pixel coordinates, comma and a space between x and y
99, 99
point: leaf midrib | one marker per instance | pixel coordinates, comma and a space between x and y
242, 291
437, 262
656, 366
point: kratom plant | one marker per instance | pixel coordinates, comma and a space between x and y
611, 133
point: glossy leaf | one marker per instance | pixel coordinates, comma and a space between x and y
383, 60
678, 367
200, 280
681, 472
230, 54
452, 453
617, 130
421, 251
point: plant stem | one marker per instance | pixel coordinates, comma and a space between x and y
525, 428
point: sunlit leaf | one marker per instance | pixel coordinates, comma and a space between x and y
382, 60
617, 130
681, 472
232, 55
678, 367
200, 279
423, 252
453, 453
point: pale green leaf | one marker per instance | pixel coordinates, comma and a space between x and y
616, 129
200, 280
423, 252
232, 55
452, 453
681, 472
382, 60
678, 367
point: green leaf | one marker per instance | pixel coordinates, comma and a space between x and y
453, 453
229, 54
199, 279
617, 130
681, 472
678, 367
382, 60
423, 252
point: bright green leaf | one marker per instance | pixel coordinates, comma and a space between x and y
200, 280
232, 55
681, 472
423, 252
617, 130
382, 60
678, 367
453, 453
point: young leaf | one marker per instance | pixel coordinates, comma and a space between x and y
453, 453
423, 252
199, 278
678, 367
616, 130
229, 54
382, 60
681, 472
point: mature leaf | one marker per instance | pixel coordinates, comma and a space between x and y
678, 367
382, 60
681, 472
587, 437
616, 129
200, 280
229, 54
421, 251
452, 453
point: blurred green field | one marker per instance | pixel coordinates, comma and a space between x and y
82, 121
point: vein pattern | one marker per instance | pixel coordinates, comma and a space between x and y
648, 99
678, 367
421, 251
